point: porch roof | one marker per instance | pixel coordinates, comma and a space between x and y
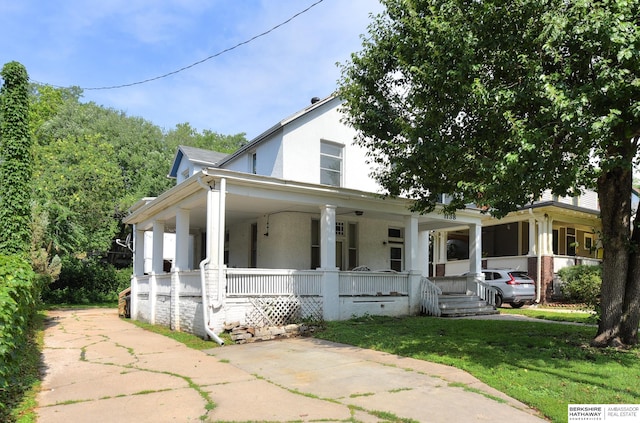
249, 196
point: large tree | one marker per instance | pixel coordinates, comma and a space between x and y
92, 163
494, 102
15, 161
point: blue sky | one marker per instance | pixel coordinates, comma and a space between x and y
93, 43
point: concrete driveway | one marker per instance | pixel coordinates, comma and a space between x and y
100, 368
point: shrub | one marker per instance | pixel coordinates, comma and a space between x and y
581, 284
18, 294
84, 281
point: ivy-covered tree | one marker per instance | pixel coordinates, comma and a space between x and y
495, 101
15, 161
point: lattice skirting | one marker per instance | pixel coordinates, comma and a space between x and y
283, 310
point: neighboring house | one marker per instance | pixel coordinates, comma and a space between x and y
290, 224
542, 238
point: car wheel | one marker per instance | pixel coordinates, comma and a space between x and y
517, 305
498, 300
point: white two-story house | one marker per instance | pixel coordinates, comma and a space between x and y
291, 223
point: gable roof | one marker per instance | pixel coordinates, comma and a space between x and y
315, 104
199, 156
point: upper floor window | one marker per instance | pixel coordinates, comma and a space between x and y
331, 163
254, 163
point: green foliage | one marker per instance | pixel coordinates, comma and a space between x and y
581, 284
494, 102
15, 161
78, 190
544, 365
84, 281
92, 163
184, 134
18, 297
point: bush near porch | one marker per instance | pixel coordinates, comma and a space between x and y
581, 285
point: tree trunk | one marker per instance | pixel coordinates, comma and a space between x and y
614, 194
631, 305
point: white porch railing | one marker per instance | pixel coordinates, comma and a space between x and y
373, 283
485, 291
429, 300
273, 282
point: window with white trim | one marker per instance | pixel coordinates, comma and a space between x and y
254, 163
331, 163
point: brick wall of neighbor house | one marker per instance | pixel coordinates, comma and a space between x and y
546, 276
547, 279
440, 269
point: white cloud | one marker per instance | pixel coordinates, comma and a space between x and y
245, 90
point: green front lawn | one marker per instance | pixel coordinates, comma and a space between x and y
545, 365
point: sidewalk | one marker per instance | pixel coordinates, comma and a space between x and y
99, 368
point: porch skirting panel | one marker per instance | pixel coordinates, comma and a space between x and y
271, 297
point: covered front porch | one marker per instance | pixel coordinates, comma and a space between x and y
265, 251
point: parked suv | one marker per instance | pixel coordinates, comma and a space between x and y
514, 286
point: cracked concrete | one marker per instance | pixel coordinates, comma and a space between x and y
98, 367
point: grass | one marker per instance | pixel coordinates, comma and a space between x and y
190, 340
83, 306
544, 365
22, 408
562, 315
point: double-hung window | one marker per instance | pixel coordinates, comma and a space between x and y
331, 163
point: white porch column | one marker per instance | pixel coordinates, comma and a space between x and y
328, 237
411, 243
138, 269
550, 237
213, 297
423, 252
331, 275
532, 237
475, 256
545, 232
442, 246
181, 261
138, 251
156, 267
413, 262
157, 260
475, 248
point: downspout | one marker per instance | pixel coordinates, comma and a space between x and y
538, 262
203, 278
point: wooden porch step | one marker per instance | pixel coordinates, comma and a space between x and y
459, 305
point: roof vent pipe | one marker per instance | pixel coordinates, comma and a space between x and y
314, 100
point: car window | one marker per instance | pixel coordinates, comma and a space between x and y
488, 276
521, 275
